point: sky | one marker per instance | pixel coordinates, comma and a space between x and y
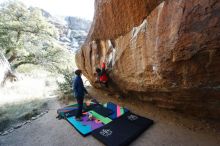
79, 8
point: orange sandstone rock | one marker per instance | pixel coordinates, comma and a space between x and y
164, 52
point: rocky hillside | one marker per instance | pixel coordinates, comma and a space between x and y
164, 52
72, 30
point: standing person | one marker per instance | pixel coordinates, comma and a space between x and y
79, 92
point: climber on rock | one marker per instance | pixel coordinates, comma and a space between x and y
102, 77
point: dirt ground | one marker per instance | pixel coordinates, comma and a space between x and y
170, 128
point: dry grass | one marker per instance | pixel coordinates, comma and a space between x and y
28, 96
24, 98
17, 112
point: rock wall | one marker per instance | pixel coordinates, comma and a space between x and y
164, 52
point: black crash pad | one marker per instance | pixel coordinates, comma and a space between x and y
100, 109
122, 131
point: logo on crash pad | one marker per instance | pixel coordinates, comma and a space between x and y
106, 132
132, 117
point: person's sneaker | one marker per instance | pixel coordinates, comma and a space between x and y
59, 117
78, 119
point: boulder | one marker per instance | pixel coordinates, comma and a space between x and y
163, 52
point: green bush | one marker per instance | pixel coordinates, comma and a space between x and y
65, 86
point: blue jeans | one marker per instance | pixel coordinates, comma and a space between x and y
80, 106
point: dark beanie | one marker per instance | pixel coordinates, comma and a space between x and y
78, 72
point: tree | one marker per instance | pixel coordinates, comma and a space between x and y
26, 37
